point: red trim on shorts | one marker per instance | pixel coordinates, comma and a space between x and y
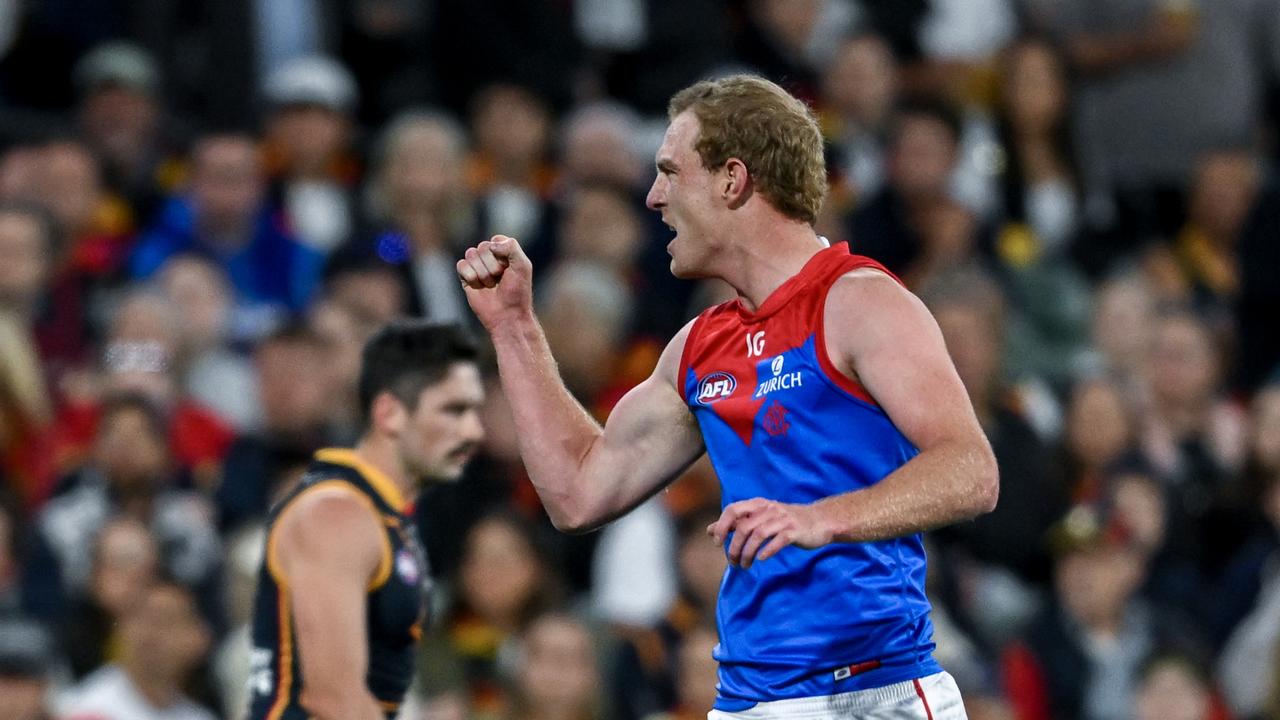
920, 691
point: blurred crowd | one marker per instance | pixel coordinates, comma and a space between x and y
207, 206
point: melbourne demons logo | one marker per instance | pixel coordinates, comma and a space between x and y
716, 386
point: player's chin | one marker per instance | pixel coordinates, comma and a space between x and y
445, 471
681, 268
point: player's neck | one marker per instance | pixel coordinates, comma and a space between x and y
381, 454
767, 258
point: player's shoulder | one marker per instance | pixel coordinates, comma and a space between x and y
327, 510
869, 304
323, 522
869, 284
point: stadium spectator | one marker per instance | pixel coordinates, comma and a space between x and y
587, 312
1194, 437
695, 677
231, 656
1223, 191
28, 667
970, 310
509, 170
1100, 432
556, 677
505, 582
599, 144
419, 211
26, 412
27, 248
225, 217
1121, 333
776, 42
295, 397
123, 121
129, 472
163, 640
309, 148
1175, 687
126, 561
860, 89
1243, 579
960, 41
139, 356
601, 225
646, 672
1083, 655
214, 374
923, 152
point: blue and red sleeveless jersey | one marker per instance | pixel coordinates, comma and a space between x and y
782, 423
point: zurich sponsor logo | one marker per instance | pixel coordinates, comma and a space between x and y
716, 386
779, 381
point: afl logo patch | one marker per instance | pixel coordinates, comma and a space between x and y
407, 567
716, 386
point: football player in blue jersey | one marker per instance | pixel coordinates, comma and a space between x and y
823, 394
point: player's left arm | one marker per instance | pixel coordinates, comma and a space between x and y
883, 336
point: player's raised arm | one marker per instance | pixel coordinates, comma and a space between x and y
327, 548
586, 475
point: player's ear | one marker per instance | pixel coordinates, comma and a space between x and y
388, 413
736, 182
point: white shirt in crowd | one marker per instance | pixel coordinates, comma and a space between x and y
109, 694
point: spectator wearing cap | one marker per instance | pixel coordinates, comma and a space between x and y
1082, 657
123, 121
225, 215
311, 102
28, 659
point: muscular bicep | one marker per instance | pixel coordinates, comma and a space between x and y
649, 438
329, 548
886, 338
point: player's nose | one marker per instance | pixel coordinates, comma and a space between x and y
657, 197
473, 428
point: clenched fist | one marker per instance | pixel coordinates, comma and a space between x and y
498, 279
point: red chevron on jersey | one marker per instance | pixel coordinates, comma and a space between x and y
738, 358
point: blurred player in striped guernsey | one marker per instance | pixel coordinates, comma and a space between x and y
341, 594
823, 394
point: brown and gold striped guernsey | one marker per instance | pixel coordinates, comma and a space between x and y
396, 602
